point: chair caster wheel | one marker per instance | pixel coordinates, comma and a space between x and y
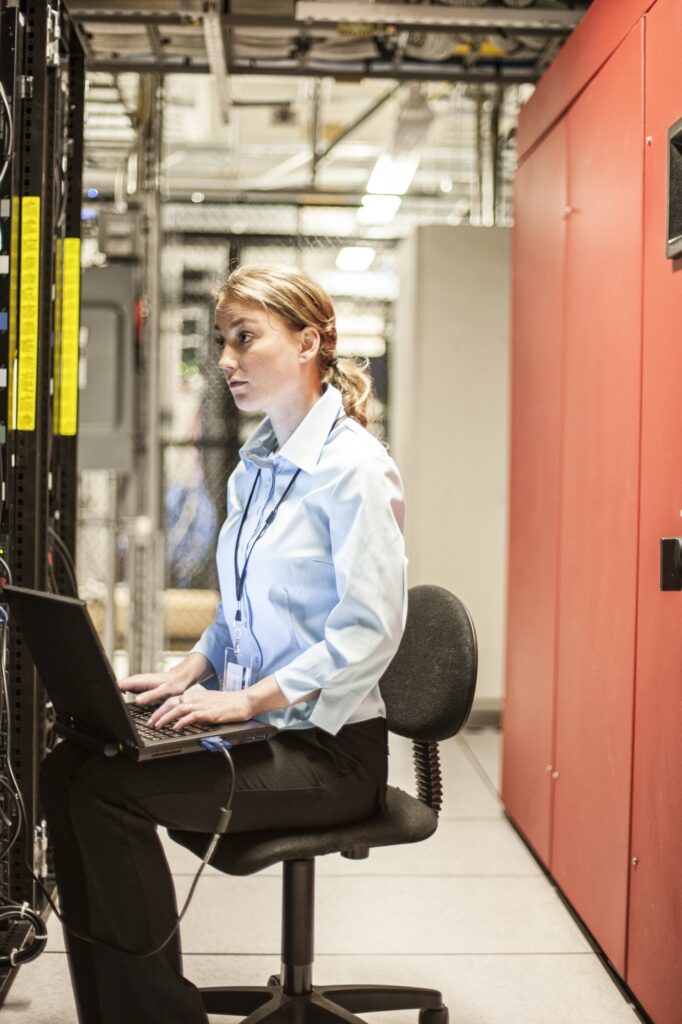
274, 982
439, 1016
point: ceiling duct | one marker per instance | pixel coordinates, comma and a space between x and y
429, 45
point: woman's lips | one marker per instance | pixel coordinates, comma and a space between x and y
236, 384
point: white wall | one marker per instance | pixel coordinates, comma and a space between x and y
449, 423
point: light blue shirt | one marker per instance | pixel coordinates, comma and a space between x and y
325, 597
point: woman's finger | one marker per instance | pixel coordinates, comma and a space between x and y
168, 708
152, 696
174, 708
195, 715
141, 682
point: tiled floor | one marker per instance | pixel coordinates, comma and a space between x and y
468, 912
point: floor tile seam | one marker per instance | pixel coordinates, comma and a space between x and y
412, 956
475, 817
322, 879
369, 956
478, 767
386, 877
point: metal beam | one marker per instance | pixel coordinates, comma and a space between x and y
159, 18
299, 195
501, 72
315, 129
323, 15
169, 66
214, 42
355, 123
438, 18
123, 8
155, 42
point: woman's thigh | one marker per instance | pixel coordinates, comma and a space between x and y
298, 779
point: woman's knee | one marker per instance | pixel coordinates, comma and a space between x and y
58, 770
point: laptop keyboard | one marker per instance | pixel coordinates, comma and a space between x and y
150, 734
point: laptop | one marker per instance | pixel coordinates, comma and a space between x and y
90, 709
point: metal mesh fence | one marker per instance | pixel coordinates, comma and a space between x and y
101, 555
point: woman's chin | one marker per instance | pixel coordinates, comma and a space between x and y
242, 398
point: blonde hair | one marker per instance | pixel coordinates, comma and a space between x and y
302, 302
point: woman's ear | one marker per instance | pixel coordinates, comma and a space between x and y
309, 343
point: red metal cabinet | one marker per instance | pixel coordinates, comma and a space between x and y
539, 241
599, 496
584, 581
655, 926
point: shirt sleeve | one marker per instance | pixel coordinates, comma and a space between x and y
363, 630
214, 640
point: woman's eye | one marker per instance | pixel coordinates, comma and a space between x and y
220, 343
244, 337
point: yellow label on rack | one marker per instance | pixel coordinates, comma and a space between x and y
66, 394
28, 313
58, 262
13, 279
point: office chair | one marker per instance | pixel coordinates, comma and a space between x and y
424, 707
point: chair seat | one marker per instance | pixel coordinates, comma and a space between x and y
404, 820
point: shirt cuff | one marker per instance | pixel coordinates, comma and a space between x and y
293, 684
214, 652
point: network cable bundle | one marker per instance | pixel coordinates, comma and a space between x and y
42, 80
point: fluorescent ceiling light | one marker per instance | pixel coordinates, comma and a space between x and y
378, 209
393, 175
355, 257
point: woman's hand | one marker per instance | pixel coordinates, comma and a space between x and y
198, 705
154, 686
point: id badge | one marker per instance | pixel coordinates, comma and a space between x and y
237, 671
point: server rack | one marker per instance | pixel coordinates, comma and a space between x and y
42, 76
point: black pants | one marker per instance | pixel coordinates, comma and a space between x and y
112, 875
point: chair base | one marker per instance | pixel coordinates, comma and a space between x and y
324, 1004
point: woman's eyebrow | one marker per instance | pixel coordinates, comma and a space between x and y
240, 322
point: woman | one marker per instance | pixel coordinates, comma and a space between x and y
313, 603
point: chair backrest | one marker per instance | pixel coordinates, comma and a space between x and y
429, 686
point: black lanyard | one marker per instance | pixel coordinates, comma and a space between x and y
240, 577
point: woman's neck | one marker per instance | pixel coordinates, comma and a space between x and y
291, 414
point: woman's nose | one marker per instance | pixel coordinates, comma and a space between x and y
227, 359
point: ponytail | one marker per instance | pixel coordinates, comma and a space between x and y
355, 384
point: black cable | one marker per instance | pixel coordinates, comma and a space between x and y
9, 148
18, 914
67, 560
223, 820
8, 821
2, 485
210, 743
52, 587
13, 911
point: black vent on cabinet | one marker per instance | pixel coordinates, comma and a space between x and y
673, 245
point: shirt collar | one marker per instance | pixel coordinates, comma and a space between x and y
305, 445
